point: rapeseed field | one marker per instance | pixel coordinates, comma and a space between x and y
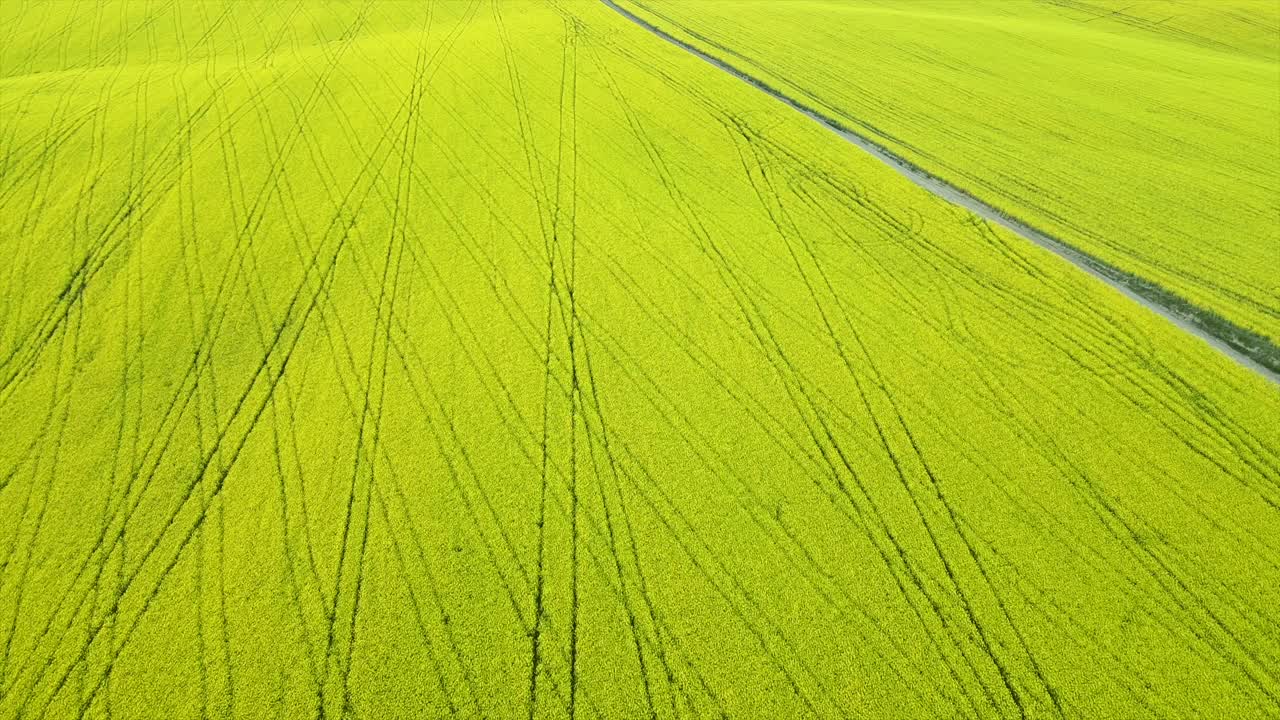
503, 360
1143, 133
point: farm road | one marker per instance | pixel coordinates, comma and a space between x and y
1239, 344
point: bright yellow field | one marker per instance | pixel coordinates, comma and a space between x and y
502, 360
1144, 132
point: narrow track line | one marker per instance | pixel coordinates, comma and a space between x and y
1241, 345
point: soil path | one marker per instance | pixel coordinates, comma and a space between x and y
1243, 346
